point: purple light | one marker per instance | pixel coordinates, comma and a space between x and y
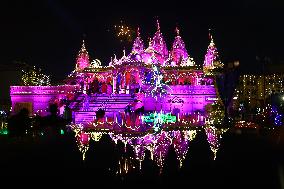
38, 98
180, 145
211, 55
138, 45
82, 58
179, 53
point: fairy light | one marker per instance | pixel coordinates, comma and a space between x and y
214, 136
216, 113
123, 32
34, 77
255, 88
125, 166
158, 87
96, 136
180, 143
161, 148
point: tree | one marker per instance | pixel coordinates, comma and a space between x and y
34, 77
215, 113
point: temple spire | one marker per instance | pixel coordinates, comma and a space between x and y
159, 45
179, 55
138, 45
82, 58
212, 59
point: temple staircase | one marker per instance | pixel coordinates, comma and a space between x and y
85, 106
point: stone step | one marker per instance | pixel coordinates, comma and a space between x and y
110, 103
83, 117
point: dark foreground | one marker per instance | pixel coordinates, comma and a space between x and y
244, 160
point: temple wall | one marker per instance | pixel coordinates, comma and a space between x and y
37, 97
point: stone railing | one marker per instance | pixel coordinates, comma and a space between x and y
60, 89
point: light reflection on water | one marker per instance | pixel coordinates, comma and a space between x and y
145, 136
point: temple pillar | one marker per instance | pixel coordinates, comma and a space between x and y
114, 84
127, 89
197, 80
85, 88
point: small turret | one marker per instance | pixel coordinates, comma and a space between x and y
159, 44
83, 58
138, 45
212, 59
179, 53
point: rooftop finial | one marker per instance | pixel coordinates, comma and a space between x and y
150, 42
177, 31
210, 36
84, 37
138, 32
124, 51
158, 26
83, 45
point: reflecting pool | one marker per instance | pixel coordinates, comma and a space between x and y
155, 132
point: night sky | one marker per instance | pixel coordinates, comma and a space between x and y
48, 34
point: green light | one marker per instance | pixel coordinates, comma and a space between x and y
159, 117
61, 132
3, 132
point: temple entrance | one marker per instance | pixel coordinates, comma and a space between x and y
20, 105
128, 81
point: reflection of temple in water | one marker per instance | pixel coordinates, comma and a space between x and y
151, 79
158, 144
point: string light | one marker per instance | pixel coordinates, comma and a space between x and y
123, 32
34, 77
214, 136
256, 88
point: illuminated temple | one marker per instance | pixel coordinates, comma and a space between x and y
151, 98
148, 79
